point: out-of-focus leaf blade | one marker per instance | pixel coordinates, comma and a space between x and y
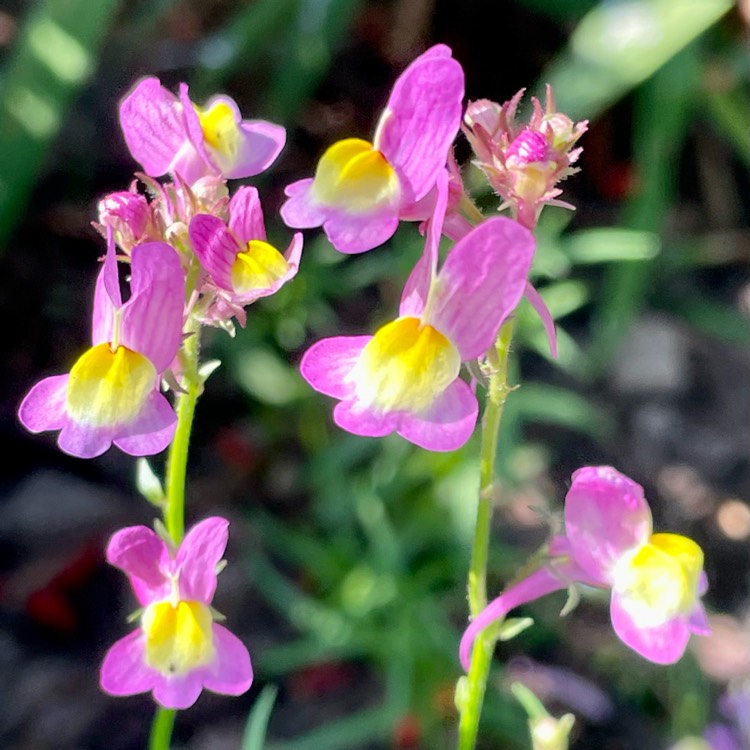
53, 59
254, 736
620, 44
609, 245
730, 111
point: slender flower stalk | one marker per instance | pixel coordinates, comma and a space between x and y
160, 737
497, 392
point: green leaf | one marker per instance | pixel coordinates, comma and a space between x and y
54, 57
254, 736
620, 44
611, 244
148, 484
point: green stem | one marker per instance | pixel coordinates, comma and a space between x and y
174, 513
481, 657
161, 729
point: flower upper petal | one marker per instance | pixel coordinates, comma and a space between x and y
421, 120
153, 126
480, 284
606, 516
199, 554
152, 317
246, 215
144, 558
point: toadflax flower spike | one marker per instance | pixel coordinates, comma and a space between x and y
656, 579
112, 392
166, 133
178, 649
405, 378
361, 189
241, 263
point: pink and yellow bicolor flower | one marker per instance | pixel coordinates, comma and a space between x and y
111, 394
237, 257
166, 133
405, 378
656, 579
362, 189
177, 649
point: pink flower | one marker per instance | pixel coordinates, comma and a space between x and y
656, 579
242, 265
405, 378
178, 649
112, 392
524, 163
362, 189
170, 134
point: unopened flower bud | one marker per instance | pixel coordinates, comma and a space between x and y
129, 215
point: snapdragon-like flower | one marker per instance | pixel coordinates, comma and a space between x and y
112, 392
166, 133
524, 163
656, 579
405, 378
242, 265
178, 649
362, 189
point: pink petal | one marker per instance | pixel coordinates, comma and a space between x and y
663, 644
542, 310
327, 364
205, 164
179, 692
261, 144
448, 424
124, 670
540, 583
480, 284
421, 121
197, 558
84, 441
153, 126
151, 431
417, 287
110, 274
152, 317
231, 672
215, 247
301, 211
103, 317
246, 215
606, 515
144, 558
698, 620
351, 417
358, 233
43, 408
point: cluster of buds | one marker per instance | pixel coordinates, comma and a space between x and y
524, 163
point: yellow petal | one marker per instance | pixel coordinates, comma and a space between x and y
258, 267
220, 129
179, 637
405, 366
109, 388
660, 579
354, 176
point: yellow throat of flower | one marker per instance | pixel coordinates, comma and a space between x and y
351, 174
220, 129
660, 579
405, 366
179, 637
109, 387
259, 266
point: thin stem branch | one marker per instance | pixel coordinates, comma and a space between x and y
174, 513
497, 393
161, 729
